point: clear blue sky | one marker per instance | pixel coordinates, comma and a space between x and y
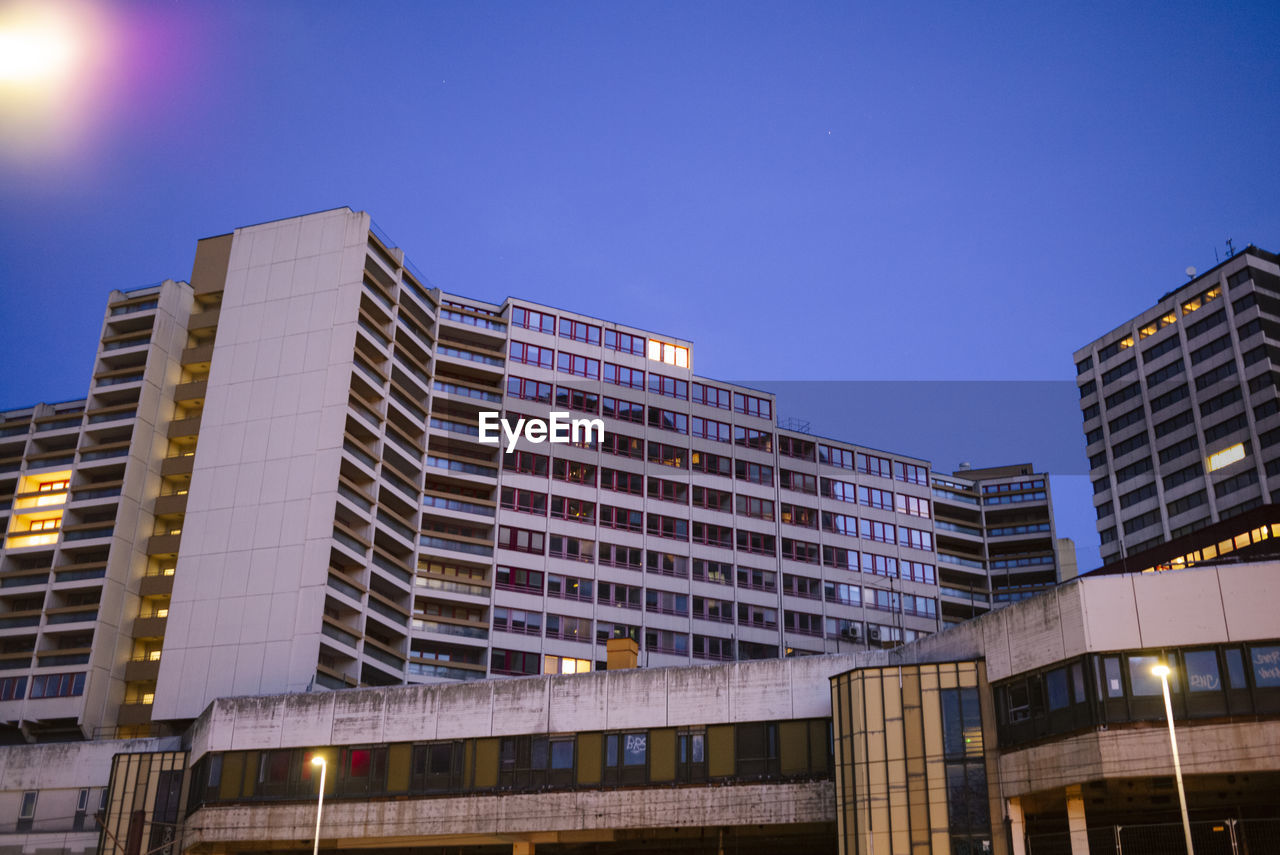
809, 191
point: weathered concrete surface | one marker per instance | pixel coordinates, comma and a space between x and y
1138, 751
423, 821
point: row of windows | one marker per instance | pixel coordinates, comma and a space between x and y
42, 686
1102, 689
728, 753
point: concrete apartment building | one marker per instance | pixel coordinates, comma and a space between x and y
1182, 417
995, 538
1037, 728
277, 484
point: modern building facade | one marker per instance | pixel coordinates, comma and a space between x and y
1037, 728
1182, 416
278, 483
995, 538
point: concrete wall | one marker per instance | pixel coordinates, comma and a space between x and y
57, 772
249, 587
661, 697
1230, 602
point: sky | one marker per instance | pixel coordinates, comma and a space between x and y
856, 191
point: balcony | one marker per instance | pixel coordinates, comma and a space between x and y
149, 627
142, 670
156, 586
206, 320
133, 714
201, 354
180, 465
163, 544
170, 505
184, 427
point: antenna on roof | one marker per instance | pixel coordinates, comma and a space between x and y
1191, 273
1231, 250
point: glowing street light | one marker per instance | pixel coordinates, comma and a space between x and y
1162, 671
319, 761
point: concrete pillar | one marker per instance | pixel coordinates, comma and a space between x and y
1075, 821
1017, 826
525, 847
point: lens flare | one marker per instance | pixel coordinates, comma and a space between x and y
36, 48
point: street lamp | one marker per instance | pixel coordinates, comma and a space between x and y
1162, 671
319, 761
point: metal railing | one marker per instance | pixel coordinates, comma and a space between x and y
1210, 837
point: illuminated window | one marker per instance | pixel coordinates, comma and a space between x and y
1149, 329
565, 665
1227, 456
671, 354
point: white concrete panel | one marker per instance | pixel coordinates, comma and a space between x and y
637, 697
253, 626
258, 723
1111, 614
469, 710
288, 570
357, 717
756, 694
578, 702
410, 715
520, 706
275, 474
264, 244
1177, 608
267, 531
262, 568
1249, 593
995, 642
1037, 626
811, 684
311, 235
293, 353
229, 611
280, 281
248, 672
267, 364
288, 400
222, 665
275, 664
283, 611
697, 695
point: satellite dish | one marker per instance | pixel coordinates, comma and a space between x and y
1191, 273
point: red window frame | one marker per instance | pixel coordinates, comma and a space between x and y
531, 354
532, 319
579, 331
579, 366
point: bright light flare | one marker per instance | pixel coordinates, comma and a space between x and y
1160, 670
36, 47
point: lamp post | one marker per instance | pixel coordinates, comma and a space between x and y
1162, 671
319, 761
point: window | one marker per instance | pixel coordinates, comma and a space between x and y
671, 354
750, 405
712, 396
668, 491
627, 411
569, 587
801, 449
750, 438
712, 500
513, 662
517, 621
576, 399
56, 686
713, 535
531, 320
757, 543
911, 473
573, 471
843, 491
878, 531
574, 510
714, 610
1200, 354
621, 596
672, 527
1181, 420
13, 688
579, 331
667, 564
622, 446
620, 375
802, 622
667, 455
616, 555
845, 559
711, 464
519, 579
622, 482
1201, 327
1216, 375
579, 366
750, 614
799, 515
839, 592
1088, 388
521, 540
757, 580
839, 523
621, 518
665, 641
531, 354
872, 465
624, 342
800, 550
1169, 398
525, 501
529, 390
572, 548
756, 473
1115, 399
832, 456
915, 538
666, 602
1126, 367
912, 505
668, 420
751, 506
669, 386
27, 808
711, 429
526, 462
569, 629
879, 565
798, 481
918, 572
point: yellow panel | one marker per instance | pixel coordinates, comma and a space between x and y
720, 762
468, 764
818, 746
589, 754
232, 774
251, 762
793, 747
947, 677
486, 763
399, 760
662, 754
968, 675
